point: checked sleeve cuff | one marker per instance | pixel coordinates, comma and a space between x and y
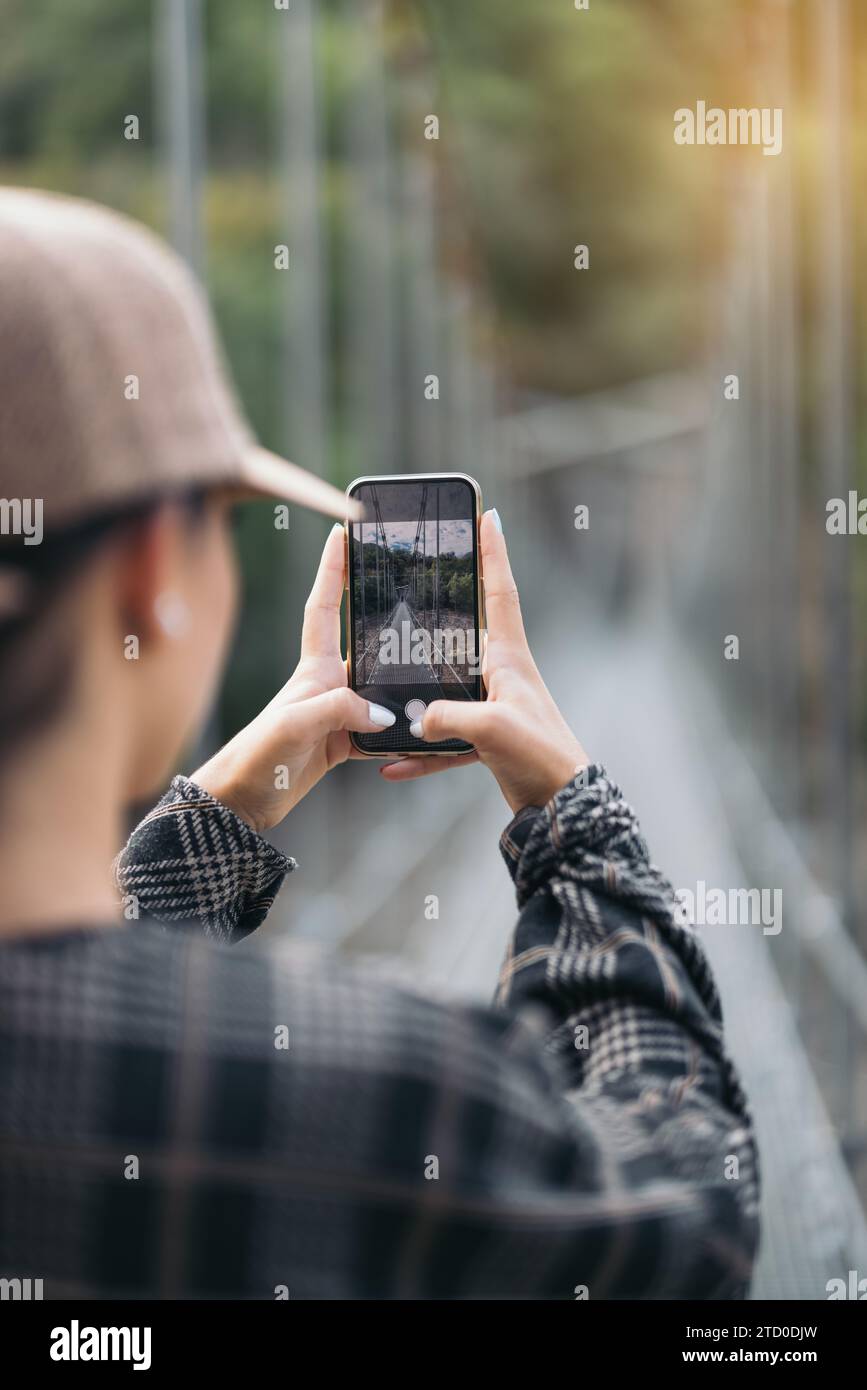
588, 829
585, 849
193, 860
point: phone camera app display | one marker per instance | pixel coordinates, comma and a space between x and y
415, 637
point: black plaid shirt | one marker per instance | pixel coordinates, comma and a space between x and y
183, 1118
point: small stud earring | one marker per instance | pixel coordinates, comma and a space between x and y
172, 614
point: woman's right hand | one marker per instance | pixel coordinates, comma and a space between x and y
518, 732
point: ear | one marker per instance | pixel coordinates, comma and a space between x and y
147, 558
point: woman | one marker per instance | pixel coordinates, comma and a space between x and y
180, 1118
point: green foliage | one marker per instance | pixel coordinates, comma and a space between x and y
69, 73
564, 137
460, 592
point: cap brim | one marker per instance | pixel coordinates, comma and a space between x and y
266, 475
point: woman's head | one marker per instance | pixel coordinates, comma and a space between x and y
118, 622
118, 422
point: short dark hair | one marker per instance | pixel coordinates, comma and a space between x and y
37, 655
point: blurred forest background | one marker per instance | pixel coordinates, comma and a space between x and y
409, 255
551, 134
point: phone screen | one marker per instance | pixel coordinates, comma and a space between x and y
414, 607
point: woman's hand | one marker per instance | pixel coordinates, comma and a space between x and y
518, 732
271, 764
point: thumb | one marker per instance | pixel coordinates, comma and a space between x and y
339, 709
466, 719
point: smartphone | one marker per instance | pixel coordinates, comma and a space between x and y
414, 602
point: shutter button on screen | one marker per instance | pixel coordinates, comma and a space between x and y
414, 709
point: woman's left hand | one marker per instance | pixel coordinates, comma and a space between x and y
271, 764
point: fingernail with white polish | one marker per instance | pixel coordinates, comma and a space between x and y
378, 714
415, 729
497, 522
